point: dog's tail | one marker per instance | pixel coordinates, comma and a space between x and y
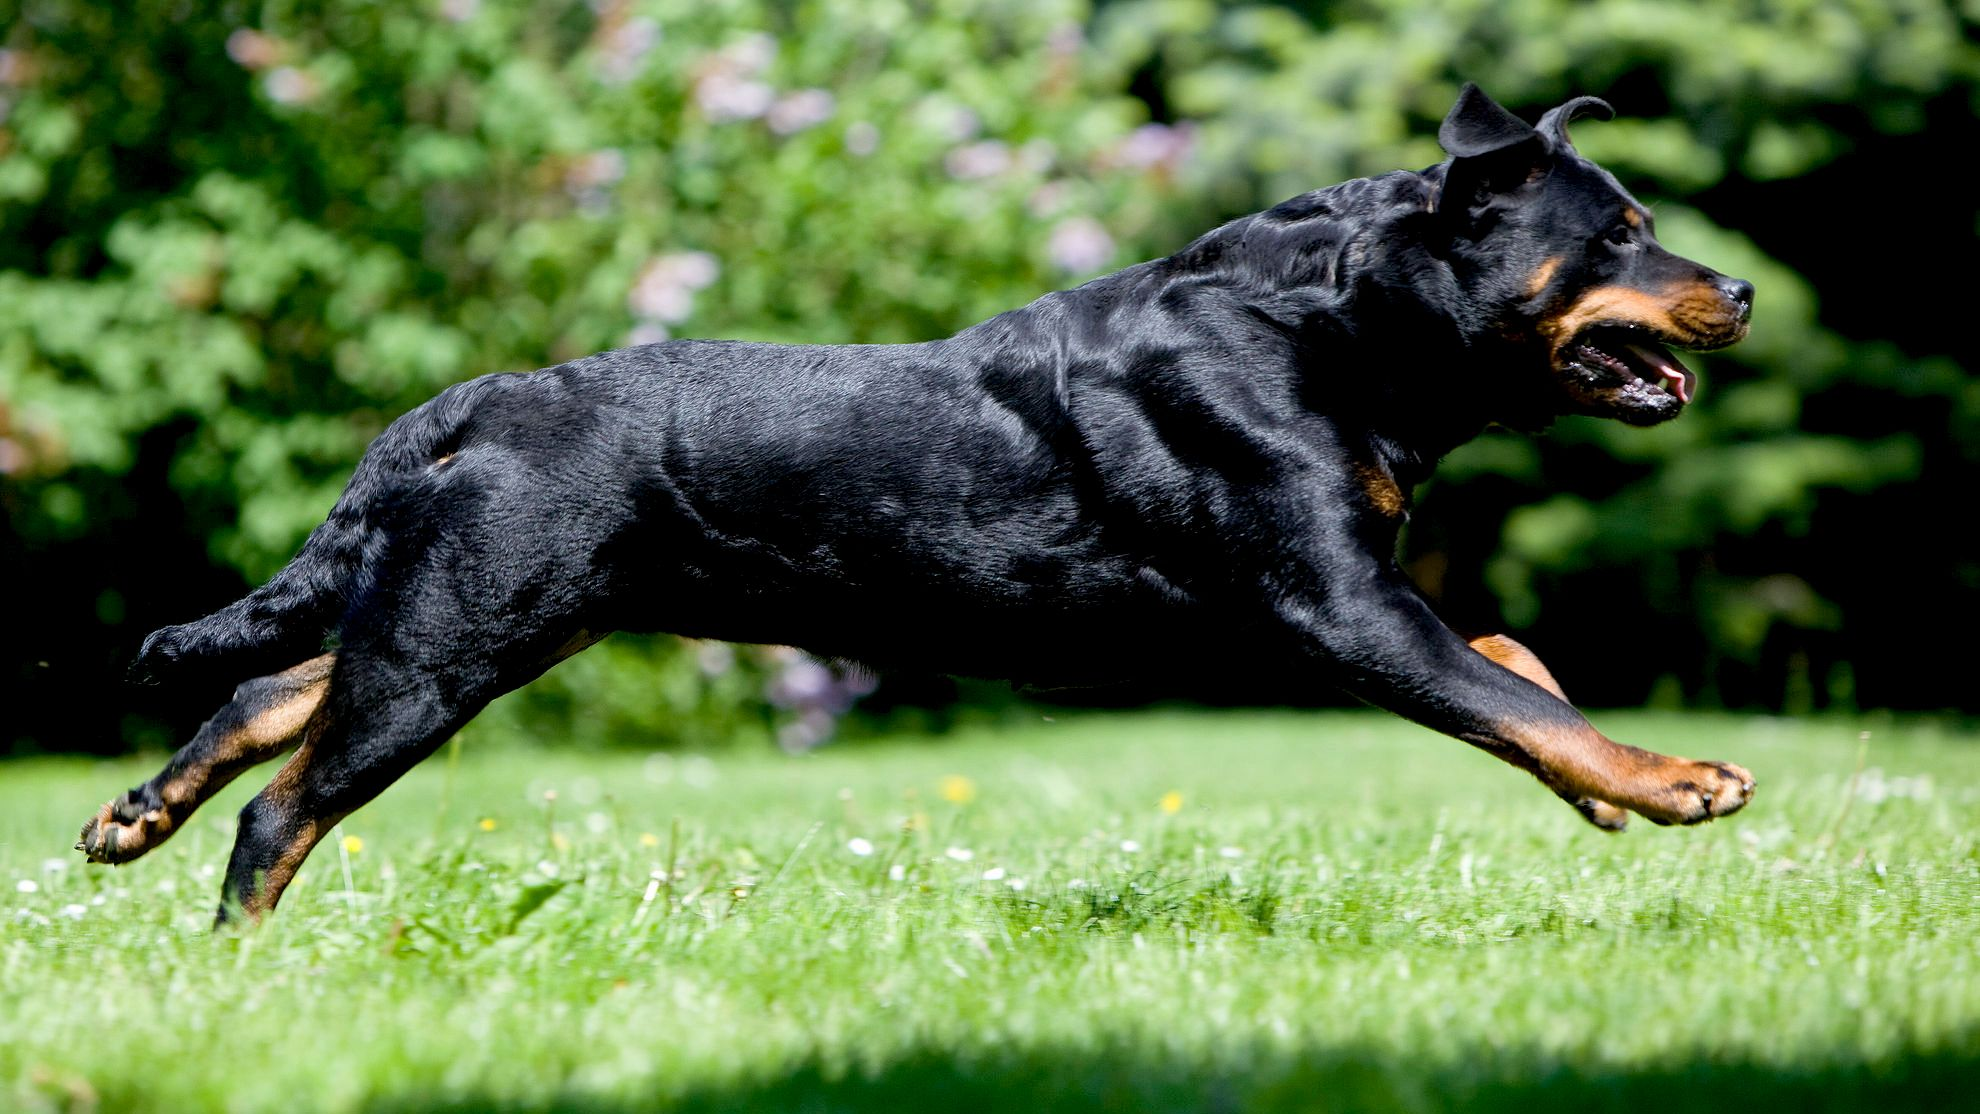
290, 618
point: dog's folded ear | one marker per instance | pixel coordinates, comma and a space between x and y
1554, 124
1492, 152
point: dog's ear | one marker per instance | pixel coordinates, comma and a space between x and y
1492, 152
1554, 124
1478, 126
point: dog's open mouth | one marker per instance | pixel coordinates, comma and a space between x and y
1636, 358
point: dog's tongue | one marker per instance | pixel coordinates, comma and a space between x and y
1678, 379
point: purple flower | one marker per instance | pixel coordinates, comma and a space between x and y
623, 44
862, 139
984, 159
797, 111
664, 290
289, 85
1156, 147
1079, 245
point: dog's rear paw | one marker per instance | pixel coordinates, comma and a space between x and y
1694, 792
124, 829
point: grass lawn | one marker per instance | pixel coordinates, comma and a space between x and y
1160, 911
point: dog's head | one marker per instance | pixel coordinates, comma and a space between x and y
1562, 261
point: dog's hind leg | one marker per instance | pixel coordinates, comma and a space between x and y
266, 716
1524, 662
383, 715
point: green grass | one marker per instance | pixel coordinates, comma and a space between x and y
1345, 913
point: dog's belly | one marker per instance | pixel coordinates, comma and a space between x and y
1104, 621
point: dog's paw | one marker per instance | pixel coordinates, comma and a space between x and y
1694, 792
159, 656
1602, 814
124, 829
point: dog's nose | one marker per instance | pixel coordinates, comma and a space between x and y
1739, 292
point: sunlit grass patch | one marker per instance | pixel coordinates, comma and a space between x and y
1161, 911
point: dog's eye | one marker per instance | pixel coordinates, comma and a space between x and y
1618, 235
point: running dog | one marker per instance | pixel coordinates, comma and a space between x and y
1197, 463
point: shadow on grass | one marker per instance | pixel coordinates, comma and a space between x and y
1331, 1080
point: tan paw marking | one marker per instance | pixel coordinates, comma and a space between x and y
122, 830
1695, 792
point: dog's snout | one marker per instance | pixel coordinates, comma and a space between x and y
1739, 292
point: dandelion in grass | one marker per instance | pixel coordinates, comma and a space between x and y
487, 824
1172, 802
353, 844
958, 790
648, 839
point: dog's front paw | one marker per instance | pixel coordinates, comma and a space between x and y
158, 658
1694, 792
124, 829
1602, 814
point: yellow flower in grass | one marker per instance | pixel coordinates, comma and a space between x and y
1171, 802
648, 839
487, 824
352, 845
958, 790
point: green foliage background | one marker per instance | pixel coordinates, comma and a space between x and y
236, 239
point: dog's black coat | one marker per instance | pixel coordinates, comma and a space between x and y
1194, 466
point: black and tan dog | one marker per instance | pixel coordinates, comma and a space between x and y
1196, 465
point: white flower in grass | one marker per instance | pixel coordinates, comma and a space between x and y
1016, 884
1079, 245
994, 874
1130, 846
1231, 852
74, 912
27, 886
960, 854
859, 846
897, 872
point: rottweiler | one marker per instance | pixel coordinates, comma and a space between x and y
1199, 463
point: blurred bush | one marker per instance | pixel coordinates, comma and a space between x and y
236, 239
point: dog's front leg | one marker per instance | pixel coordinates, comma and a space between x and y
1390, 649
1512, 655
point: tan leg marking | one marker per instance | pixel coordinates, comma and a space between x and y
1519, 659
267, 716
1582, 763
1524, 662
